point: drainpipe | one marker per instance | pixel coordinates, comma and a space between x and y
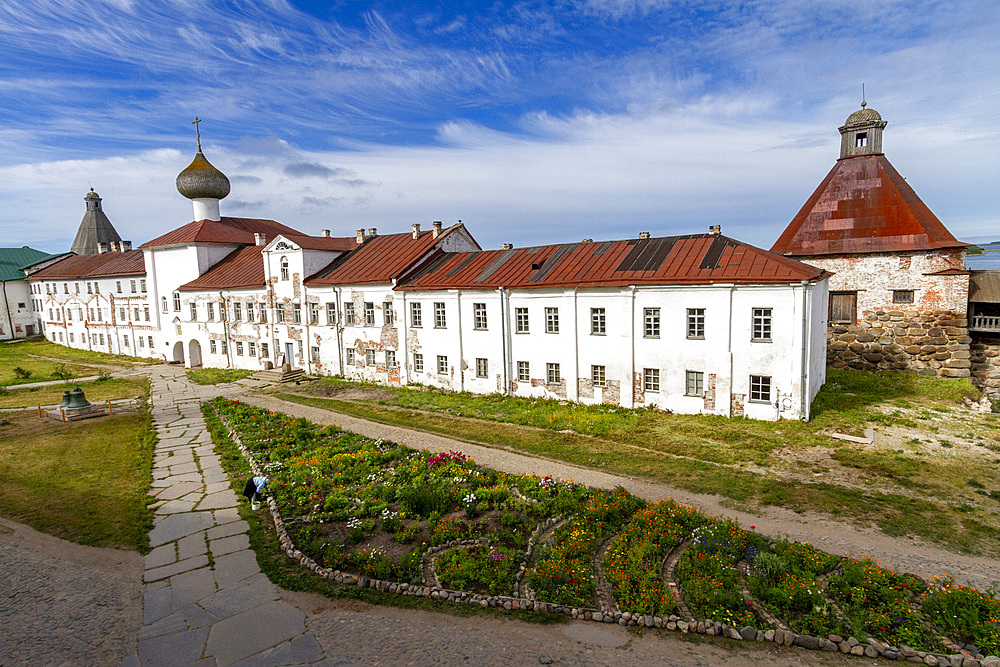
631, 356
272, 326
804, 407
504, 329
404, 372
729, 348
576, 348
6, 304
339, 329
225, 330
461, 353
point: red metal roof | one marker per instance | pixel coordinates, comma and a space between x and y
862, 206
129, 263
379, 259
242, 268
673, 260
225, 230
323, 242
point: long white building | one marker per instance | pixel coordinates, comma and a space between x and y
700, 323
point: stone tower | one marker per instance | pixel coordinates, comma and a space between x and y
94, 229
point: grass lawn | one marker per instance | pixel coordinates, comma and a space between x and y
82, 481
903, 489
97, 391
216, 375
30, 355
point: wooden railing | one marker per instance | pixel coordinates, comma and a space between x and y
985, 323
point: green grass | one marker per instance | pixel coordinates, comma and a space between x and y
665, 462
291, 575
29, 355
216, 375
82, 481
97, 391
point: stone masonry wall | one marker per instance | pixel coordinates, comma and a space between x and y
928, 343
986, 365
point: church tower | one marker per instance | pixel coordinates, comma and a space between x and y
204, 185
95, 228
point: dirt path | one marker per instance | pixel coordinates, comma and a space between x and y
902, 554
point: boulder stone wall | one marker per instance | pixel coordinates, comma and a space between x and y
985, 360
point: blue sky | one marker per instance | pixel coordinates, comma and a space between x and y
532, 122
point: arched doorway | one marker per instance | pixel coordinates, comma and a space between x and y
178, 353
194, 354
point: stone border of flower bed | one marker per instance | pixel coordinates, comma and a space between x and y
832, 643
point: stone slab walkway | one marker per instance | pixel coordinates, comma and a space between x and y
205, 600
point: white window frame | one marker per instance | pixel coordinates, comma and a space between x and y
650, 322
651, 379
416, 315
521, 321
552, 319
761, 325
442, 364
479, 316
757, 384
482, 367
523, 371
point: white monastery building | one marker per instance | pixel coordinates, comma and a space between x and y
699, 323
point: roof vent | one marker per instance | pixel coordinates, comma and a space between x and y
416, 229
259, 238
102, 248
587, 241
535, 266
506, 246
372, 231
125, 245
360, 238
643, 235
715, 230
437, 228
325, 233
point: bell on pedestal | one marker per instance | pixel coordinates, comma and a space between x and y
65, 399
77, 399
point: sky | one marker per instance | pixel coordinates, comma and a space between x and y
532, 122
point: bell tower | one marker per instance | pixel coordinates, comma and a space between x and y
862, 133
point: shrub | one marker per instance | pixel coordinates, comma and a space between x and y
21, 373
424, 500
60, 373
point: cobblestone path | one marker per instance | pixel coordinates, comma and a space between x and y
205, 600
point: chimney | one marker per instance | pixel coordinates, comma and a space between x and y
587, 241
416, 229
715, 230
102, 248
643, 235
506, 246
125, 246
360, 236
259, 238
325, 233
437, 228
372, 232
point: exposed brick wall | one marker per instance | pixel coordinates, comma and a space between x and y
612, 392
710, 392
985, 360
930, 343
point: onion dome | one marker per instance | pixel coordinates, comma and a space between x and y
863, 116
200, 180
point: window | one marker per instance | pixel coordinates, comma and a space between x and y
416, 317
387, 313
177, 302
651, 379
314, 351
439, 319
523, 371
225, 347
142, 341
92, 318
279, 312
313, 313
135, 311
194, 312
99, 314
263, 350
696, 323
597, 376
118, 286
902, 296
102, 338
250, 314
151, 342
390, 359
760, 388
369, 357
331, 313
694, 383
552, 375
263, 315
350, 356
61, 339
131, 285
479, 316
211, 346
418, 362
299, 345
124, 340
239, 348
860, 139
163, 302
551, 320
142, 285
762, 324
284, 268
121, 314
145, 313
482, 368
237, 311
349, 313
597, 322
651, 323
210, 311
521, 320
252, 348
65, 288
296, 313
369, 314
97, 290
442, 364
76, 288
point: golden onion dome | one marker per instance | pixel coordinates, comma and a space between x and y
200, 180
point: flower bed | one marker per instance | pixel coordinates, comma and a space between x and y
350, 507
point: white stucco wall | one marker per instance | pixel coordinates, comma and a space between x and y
17, 315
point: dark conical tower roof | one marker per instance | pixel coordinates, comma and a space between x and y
95, 228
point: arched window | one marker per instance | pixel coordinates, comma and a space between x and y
163, 303
284, 268
177, 302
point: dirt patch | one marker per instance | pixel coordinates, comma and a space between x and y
349, 393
